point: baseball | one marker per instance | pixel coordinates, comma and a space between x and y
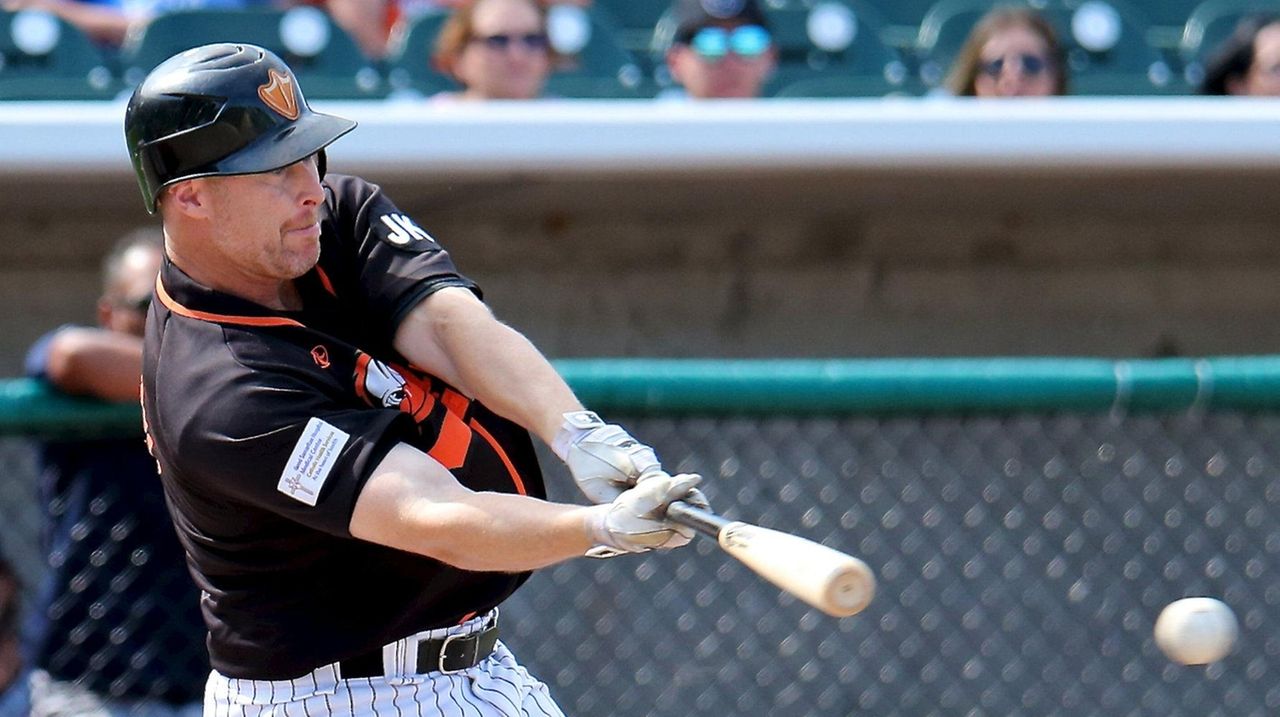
1196, 631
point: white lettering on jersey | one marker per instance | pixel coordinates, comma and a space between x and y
312, 458
403, 230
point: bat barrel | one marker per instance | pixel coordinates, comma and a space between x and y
834, 582
703, 521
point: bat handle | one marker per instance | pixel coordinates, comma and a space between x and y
703, 521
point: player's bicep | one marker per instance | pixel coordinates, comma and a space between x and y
396, 504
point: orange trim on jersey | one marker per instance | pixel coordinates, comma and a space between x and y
324, 281
455, 402
181, 310
515, 475
453, 443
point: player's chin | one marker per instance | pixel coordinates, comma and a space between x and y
302, 249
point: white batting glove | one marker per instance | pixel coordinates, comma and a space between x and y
635, 521
603, 458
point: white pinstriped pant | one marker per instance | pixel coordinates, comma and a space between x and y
497, 687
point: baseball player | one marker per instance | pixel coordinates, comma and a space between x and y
342, 427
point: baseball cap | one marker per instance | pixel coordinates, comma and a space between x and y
693, 15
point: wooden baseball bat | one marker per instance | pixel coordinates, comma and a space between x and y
835, 583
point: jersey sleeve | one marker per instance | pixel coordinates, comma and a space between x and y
394, 263
275, 442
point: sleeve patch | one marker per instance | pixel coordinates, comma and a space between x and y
311, 461
399, 230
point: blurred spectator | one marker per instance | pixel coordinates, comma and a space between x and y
109, 21
117, 624
368, 22
1011, 52
1247, 62
721, 48
496, 49
373, 22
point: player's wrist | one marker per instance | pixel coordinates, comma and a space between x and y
596, 525
574, 426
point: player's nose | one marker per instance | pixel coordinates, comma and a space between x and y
306, 178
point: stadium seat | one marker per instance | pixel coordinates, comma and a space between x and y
634, 20
1105, 43
903, 12
827, 46
44, 58
594, 62
1209, 25
1167, 12
327, 61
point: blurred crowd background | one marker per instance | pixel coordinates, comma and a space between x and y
522, 49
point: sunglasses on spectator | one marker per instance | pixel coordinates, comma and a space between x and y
1031, 65
530, 41
747, 41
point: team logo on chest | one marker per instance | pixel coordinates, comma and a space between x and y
320, 355
380, 384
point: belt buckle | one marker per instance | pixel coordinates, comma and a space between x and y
444, 653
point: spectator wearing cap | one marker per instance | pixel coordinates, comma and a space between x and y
1248, 62
496, 49
1011, 52
721, 48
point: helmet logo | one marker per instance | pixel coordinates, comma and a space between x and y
279, 95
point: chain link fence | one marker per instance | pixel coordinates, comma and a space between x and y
1022, 562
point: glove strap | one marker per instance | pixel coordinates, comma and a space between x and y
605, 546
576, 425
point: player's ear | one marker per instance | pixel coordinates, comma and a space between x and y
187, 197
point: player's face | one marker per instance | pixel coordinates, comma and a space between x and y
268, 226
123, 306
1263, 78
507, 57
730, 61
1015, 62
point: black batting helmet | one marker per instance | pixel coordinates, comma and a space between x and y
221, 109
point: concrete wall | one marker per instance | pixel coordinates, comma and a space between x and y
822, 263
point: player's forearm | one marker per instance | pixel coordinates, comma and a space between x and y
524, 387
455, 336
96, 362
412, 503
502, 533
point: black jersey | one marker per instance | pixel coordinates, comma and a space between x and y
266, 424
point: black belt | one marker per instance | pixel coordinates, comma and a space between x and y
451, 653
